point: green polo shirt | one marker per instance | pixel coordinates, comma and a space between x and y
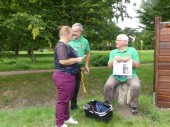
132, 52
81, 46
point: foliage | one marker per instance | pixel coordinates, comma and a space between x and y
2, 54
99, 60
147, 13
21, 66
32, 24
144, 40
152, 8
6, 100
7, 55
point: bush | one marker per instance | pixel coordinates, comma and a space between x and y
5, 99
99, 60
22, 66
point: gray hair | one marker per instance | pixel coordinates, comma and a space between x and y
124, 37
79, 25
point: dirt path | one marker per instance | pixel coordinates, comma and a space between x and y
24, 72
6, 73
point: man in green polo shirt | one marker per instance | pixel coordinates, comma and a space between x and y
81, 45
123, 53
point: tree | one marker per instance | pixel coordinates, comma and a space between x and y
152, 8
149, 10
32, 24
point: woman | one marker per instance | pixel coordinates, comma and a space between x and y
66, 66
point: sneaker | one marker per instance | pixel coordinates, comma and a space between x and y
134, 110
64, 125
71, 121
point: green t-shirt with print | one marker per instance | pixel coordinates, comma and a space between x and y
132, 52
81, 46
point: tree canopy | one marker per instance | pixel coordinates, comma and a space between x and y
32, 24
152, 8
148, 11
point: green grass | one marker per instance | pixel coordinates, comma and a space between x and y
146, 56
44, 117
44, 60
29, 100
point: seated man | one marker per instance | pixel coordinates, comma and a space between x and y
123, 53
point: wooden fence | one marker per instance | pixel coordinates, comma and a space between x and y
162, 63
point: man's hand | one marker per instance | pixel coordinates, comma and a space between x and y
126, 58
86, 70
118, 59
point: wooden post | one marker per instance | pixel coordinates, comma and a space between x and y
156, 56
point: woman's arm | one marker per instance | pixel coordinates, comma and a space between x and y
71, 61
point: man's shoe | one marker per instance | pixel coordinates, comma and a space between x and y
74, 107
134, 110
64, 125
71, 121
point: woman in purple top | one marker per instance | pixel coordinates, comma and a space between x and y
66, 67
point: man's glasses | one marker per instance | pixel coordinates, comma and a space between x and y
119, 40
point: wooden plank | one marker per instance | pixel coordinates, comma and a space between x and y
165, 52
164, 58
165, 31
167, 25
165, 38
164, 72
163, 66
165, 92
164, 79
163, 85
163, 98
162, 104
164, 45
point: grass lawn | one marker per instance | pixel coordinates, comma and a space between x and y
44, 60
29, 101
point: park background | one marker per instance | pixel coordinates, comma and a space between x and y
28, 32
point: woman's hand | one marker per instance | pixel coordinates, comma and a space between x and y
80, 59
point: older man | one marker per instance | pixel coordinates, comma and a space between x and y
123, 53
81, 45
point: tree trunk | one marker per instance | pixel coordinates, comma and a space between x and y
16, 51
29, 52
31, 55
